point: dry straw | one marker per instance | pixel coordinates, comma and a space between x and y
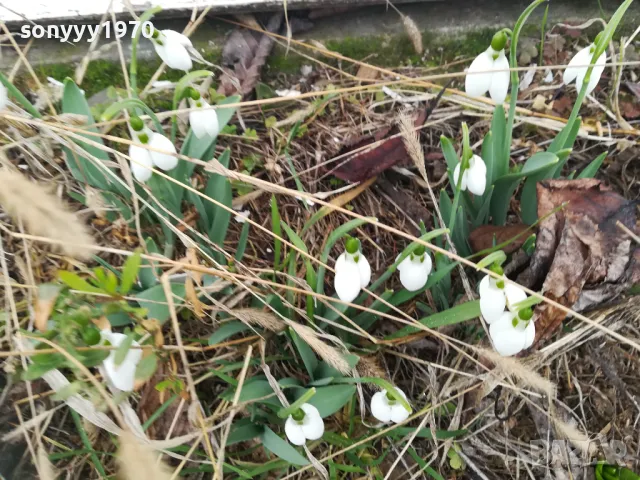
139, 462
411, 141
258, 318
514, 368
47, 472
44, 214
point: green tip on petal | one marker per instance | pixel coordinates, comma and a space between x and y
156, 33
500, 284
419, 251
497, 269
499, 41
136, 123
193, 94
144, 138
352, 245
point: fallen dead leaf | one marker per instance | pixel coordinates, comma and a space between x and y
47, 295
582, 258
365, 72
486, 236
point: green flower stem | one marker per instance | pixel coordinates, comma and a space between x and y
21, 99
515, 80
295, 406
528, 303
498, 258
133, 66
464, 165
181, 86
131, 103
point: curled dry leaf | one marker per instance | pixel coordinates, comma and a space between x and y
487, 236
47, 295
582, 258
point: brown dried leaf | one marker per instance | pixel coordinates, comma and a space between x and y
581, 256
47, 295
484, 237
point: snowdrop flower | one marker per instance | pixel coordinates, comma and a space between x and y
4, 97
577, 68
474, 178
496, 295
353, 272
288, 93
143, 159
305, 424
121, 376
203, 120
495, 66
173, 48
513, 332
242, 216
387, 409
415, 269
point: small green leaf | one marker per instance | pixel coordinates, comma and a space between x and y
75, 282
281, 449
277, 231
459, 313
146, 367
243, 432
123, 349
329, 400
130, 272
155, 301
308, 357
227, 330
591, 170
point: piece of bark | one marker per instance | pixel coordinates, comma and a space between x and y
483, 237
582, 258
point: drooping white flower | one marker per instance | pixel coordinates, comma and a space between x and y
242, 216
511, 335
577, 68
173, 48
309, 427
143, 158
474, 178
4, 97
203, 120
489, 72
496, 296
414, 271
386, 409
353, 273
121, 376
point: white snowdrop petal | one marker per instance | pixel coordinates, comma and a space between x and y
4, 97
312, 424
477, 176
163, 160
121, 376
294, 432
380, 407
456, 176
507, 339
347, 282
414, 275
477, 84
492, 304
530, 334
198, 123
500, 79
398, 413
514, 294
141, 163
177, 57
583, 57
596, 73
365, 270
177, 37
212, 124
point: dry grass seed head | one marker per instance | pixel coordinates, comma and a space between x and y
44, 214
329, 354
514, 368
259, 318
413, 32
47, 472
577, 438
139, 462
370, 367
411, 141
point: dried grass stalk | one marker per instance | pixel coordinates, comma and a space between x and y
413, 32
44, 214
516, 369
259, 318
47, 472
328, 353
578, 438
411, 141
139, 462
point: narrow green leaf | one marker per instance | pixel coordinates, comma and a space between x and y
154, 300
277, 231
500, 161
146, 367
149, 273
591, 170
75, 282
281, 448
329, 400
243, 433
458, 314
20, 98
242, 241
130, 272
123, 349
227, 330
306, 353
